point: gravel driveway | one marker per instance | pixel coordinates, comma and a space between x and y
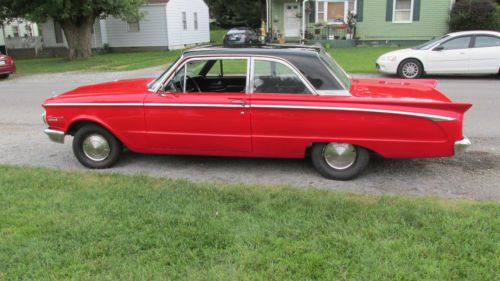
475, 175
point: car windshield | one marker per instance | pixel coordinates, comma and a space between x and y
430, 43
333, 66
154, 84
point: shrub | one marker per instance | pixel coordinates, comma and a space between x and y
474, 15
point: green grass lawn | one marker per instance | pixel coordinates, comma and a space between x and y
57, 225
352, 59
99, 62
359, 59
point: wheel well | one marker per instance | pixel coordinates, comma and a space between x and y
419, 61
309, 147
79, 124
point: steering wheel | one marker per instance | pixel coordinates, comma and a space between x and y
194, 83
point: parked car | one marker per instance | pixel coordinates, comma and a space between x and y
467, 53
259, 102
240, 36
7, 66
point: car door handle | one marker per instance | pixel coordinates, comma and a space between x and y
239, 102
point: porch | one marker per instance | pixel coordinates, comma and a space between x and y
311, 21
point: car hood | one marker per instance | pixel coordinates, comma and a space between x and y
118, 87
417, 90
402, 53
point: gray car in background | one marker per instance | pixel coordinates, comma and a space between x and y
241, 36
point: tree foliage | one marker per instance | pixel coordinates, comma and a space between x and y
474, 15
76, 17
235, 13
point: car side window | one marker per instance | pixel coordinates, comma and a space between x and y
176, 84
457, 43
225, 68
483, 41
276, 77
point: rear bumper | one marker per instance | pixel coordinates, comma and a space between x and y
55, 136
461, 146
7, 69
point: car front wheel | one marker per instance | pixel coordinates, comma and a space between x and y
410, 69
96, 148
339, 161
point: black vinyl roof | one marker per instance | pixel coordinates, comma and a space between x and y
305, 58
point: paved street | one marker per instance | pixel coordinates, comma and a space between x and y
475, 175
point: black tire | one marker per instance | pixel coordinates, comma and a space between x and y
327, 171
115, 147
410, 63
4, 76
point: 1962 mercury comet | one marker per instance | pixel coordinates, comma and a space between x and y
263, 101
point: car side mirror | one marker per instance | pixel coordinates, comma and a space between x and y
438, 48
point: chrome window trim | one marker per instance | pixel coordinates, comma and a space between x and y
165, 75
292, 67
183, 61
338, 93
332, 73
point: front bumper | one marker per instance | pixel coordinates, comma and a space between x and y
461, 146
55, 136
387, 66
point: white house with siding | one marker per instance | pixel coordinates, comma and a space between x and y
166, 25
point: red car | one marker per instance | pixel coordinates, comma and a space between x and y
265, 101
7, 66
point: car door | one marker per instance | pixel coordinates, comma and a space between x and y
279, 127
485, 55
182, 118
450, 57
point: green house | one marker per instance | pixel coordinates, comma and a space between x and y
380, 21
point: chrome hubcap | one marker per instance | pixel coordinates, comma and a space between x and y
340, 156
410, 70
96, 148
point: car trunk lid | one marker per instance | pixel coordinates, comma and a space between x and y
400, 89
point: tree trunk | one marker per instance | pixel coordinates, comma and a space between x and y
79, 37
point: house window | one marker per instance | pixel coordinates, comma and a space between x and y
58, 33
321, 11
403, 11
195, 15
184, 21
15, 31
333, 11
133, 26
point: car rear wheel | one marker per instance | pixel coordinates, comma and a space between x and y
410, 69
339, 161
4, 76
96, 148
